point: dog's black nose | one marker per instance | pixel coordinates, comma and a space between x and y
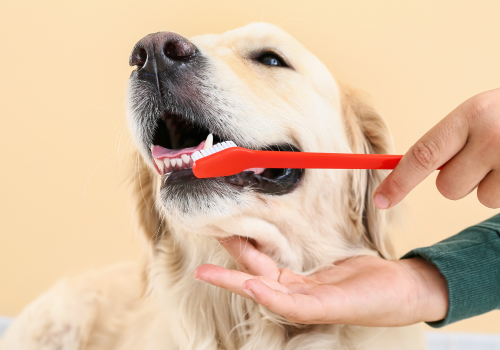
161, 52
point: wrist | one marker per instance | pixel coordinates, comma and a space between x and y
431, 290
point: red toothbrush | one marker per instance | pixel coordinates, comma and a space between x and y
225, 158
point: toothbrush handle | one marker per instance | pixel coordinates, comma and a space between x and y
309, 160
237, 159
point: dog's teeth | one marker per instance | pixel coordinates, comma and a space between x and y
172, 163
185, 158
178, 162
167, 165
208, 142
160, 166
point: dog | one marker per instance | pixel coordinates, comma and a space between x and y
261, 89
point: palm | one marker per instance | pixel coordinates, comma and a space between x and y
363, 290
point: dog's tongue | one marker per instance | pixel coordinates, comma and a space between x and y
160, 152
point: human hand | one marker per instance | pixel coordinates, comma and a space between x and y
468, 141
363, 290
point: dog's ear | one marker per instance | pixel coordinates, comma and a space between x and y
367, 132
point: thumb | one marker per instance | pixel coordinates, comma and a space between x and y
433, 150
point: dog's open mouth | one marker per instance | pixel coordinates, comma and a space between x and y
176, 139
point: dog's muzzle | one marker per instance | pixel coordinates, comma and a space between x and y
170, 110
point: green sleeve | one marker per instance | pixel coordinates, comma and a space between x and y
470, 262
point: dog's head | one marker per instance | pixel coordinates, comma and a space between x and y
260, 88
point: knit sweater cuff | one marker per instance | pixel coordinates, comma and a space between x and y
470, 263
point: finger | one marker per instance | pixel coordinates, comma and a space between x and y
232, 280
464, 171
488, 191
434, 149
297, 308
249, 259
288, 276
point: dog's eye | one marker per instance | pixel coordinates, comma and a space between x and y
271, 59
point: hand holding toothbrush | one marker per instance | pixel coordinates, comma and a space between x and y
468, 141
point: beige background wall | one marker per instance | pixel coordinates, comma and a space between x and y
63, 141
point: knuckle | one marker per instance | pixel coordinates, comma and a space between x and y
425, 155
479, 106
397, 185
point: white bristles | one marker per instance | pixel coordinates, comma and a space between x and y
165, 164
211, 150
195, 156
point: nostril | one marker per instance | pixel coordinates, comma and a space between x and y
178, 49
139, 57
170, 50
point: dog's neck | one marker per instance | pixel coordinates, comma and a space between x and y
213, 318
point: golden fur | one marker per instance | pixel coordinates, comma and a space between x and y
157, 304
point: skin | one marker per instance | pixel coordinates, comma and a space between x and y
466, 141
364, 290
367, 290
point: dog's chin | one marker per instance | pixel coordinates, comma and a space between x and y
188, 196
184, 194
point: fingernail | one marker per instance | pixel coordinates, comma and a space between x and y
200, 280
249, 292
381, 201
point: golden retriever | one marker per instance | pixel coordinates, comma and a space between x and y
260, 88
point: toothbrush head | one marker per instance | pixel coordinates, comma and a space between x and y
222, 159
214, 149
